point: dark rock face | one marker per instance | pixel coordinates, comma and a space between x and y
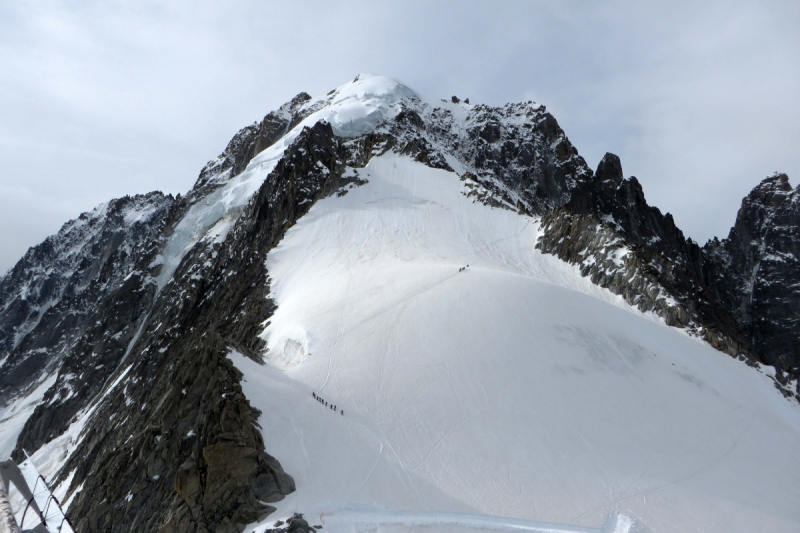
192, 411
630, 247
517, 152
740, 295
74, 302
757, 269
169, 442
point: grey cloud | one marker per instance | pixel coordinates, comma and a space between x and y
98, 100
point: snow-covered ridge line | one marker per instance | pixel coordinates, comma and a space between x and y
354, 109
366, 105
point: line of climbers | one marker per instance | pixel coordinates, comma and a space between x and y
462, 269
323, 402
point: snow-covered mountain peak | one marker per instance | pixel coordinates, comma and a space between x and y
357, 107
366, 87
353, 109
483, 318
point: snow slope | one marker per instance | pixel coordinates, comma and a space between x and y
353, 109
14, 415
514, 388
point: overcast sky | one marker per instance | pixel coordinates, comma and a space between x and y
103, 99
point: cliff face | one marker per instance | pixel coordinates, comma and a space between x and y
192, 458
739, 294
72, 305
757, 269
131, 309
623, 243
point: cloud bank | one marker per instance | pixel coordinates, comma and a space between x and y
99, 100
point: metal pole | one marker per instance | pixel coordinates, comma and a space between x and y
11, 474
7, 522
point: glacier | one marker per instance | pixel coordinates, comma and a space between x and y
513, 388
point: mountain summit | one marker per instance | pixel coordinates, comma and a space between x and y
386, 312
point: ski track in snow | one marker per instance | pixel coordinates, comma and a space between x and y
515, 388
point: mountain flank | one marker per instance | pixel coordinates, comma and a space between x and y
129, 313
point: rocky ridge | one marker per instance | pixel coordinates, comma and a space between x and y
622, 243
72, 304
756, 269
517, 157
137, 333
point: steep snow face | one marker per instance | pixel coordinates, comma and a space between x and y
511, 388
354, 109
359, 107
14, 415
408, 217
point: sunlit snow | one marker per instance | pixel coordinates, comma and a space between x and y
353, 109
513, 388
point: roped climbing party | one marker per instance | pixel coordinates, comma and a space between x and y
325, 403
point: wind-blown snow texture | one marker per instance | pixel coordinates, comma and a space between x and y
541, 388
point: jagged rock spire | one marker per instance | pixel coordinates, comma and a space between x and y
609, 168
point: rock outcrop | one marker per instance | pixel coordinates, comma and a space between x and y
72, 305
756, 270
739, 294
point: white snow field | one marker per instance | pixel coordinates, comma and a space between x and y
513, 395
